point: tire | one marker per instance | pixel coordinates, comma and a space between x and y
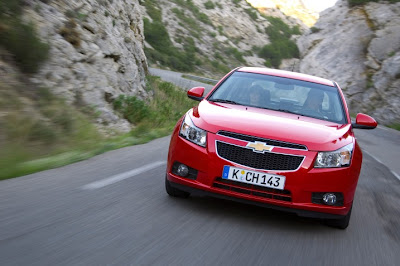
341, 223
174, 192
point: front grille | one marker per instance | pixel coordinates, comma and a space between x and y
266, 161
270, 142
250, 189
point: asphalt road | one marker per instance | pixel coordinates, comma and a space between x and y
176, 78
113, 210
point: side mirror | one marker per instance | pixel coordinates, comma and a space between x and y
196, 93
364, 122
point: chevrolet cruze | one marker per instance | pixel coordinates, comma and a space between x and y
273, 138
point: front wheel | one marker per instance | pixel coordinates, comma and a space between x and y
174, 192
341, 223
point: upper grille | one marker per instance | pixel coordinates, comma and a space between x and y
266, 161
271, 142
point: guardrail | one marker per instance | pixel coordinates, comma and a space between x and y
205, 80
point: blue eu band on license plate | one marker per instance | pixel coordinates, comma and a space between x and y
254, 177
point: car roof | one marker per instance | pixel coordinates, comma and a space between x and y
286, 74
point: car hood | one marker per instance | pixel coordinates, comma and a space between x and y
317, 135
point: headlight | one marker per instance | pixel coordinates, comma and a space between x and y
338, 158
192, 133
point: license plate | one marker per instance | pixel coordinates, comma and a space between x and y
254, 177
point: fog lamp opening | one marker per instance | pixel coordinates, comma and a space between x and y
182, 170
329, 199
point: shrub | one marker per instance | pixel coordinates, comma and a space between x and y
359, 2
164, 52
188, 22
209, 5
133, 109
70, 34
278, 28
296, 30
236, 2
363, 2
281, 45
21, 39
278, 50
43, 132
251, 13
168, 104
152, 9
188, 4
23, 42
236, 54
315, 29
10, 8
157, 35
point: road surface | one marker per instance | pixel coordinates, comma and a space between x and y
113, 210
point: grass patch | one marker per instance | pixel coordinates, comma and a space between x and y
41, 127
61, 134
162, 111
395, 126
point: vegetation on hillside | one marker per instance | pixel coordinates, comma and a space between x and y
363, 2
20, 38
164, 53
38, 124
281, 46
164, 50
162, 111
41, 131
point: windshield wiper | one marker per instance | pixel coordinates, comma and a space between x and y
223, 101
287, 111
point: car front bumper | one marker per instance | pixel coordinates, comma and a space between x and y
299, 187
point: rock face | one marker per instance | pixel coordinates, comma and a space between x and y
232, 25
294, 8
359, 48
96, 52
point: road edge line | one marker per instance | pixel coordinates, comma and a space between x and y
119, 177
379, 161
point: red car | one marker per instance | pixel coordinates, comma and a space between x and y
272, 138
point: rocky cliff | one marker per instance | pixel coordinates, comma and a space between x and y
223, 34
358, 47
294, 8
96, 52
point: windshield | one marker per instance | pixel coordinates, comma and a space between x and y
281, 94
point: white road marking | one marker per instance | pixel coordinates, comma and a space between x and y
379, 161
116, 178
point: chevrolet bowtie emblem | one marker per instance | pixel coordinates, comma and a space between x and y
259, 146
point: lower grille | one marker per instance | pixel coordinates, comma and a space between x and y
269, 193
257, 160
